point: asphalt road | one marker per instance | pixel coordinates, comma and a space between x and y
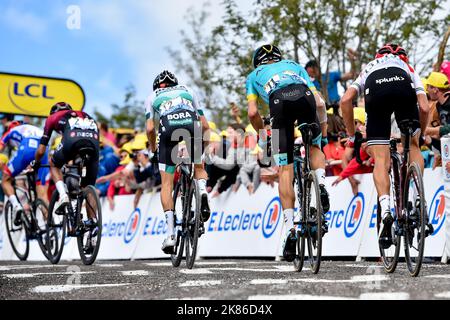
218, 279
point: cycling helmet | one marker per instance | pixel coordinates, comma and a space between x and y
165, 79
60, 106
266, 53
14, 124
394, 49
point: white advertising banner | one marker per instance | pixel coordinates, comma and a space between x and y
251, 226
244, 226
153, 230
121, 227
445, 142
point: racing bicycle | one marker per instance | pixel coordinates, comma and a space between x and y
187, 215
311, 226
33, 224
82, 218
409, 208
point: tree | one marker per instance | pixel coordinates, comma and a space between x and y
127, 115
311, 29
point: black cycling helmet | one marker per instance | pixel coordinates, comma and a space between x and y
266, 53
60, 106
165, 78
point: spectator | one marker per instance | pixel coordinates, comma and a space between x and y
146, 174
118, 185
331, 80
104, 132
439, 91
334, 152
355, 167
227, 168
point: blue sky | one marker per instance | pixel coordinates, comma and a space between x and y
119, 43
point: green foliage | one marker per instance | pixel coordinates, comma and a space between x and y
219, 62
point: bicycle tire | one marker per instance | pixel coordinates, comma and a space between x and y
414, 269
89, 258
41, 232
300, 258
57, 226
16, 240
193, 224
178, 255
390, 263
314, 259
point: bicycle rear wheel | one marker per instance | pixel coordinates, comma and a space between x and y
193, 224
415, 220
390, 255
89, 239
178, 202
57, 230
314, 219
18, 235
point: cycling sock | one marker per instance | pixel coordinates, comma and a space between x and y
320, 173
385, 204
170, 223
13, 200
202, 186
289, 218
60, 187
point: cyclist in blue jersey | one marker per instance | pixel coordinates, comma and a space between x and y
24, 138
180, 117
286, 88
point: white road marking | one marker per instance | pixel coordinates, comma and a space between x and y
21, 267
189, 298
68, 288
355, 279
200, 283
202, 263
106, 265
196, 271
439, 276
297, 297
385, 296
268, 281
359, 266
443, 295
32, 275
135, 273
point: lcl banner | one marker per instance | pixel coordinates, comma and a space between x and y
34, 96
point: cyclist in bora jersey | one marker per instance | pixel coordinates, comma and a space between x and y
286, 88
390, 85
179, 113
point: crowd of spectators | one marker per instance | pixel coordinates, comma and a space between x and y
233, 158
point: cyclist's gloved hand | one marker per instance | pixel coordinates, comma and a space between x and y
350, 142
35, 165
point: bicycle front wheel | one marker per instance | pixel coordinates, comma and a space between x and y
40, 218
314, 220
178, 201
56, 231
90, 235
193, 224
415, 220
300, 258
18, 235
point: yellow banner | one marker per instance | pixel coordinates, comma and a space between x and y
34, 96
